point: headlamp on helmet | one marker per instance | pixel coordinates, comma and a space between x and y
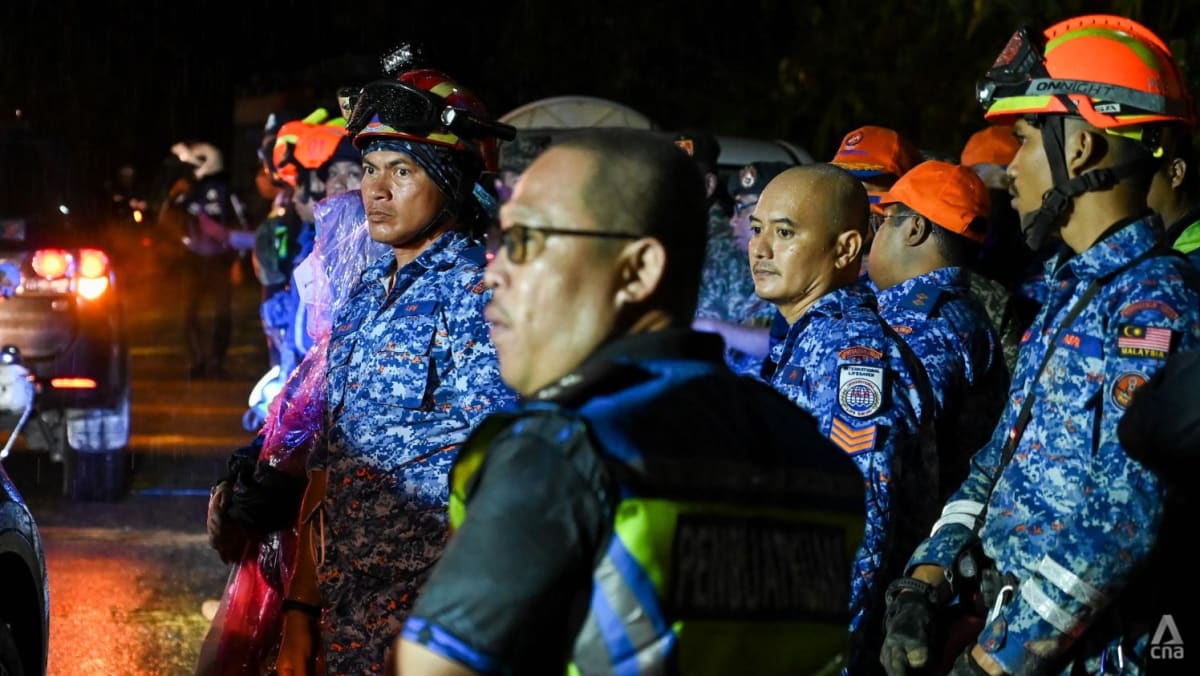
1111, 71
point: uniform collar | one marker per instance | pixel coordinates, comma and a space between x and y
441, 253
840, 300
610, 360
1125, 240
942, 278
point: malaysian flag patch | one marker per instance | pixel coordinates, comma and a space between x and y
1144, 341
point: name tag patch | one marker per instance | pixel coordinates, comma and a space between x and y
757, 568
860, 389
1088, 346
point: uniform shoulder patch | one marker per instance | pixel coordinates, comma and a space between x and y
1136, 340
1158, 306
860, 389
923, 298
792, 375
1124, 387
859, 352
853, 439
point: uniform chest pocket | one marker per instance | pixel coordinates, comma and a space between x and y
401, 372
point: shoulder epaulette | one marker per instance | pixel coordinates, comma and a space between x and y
923, 298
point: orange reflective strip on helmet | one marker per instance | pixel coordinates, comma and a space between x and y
318, 144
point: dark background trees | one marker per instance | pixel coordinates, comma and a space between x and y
123, 80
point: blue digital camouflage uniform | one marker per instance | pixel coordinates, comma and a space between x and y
1072, 516
941, 321
871, 397
727, 289
1009, 317
410, 373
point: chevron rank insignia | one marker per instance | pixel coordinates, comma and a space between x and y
852, 440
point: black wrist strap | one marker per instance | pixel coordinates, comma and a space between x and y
911, 584
300, 606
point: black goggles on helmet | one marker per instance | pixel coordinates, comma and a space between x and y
415, 111
1020, 70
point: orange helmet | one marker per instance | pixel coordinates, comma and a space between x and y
1109, 70
424, 105
309, 144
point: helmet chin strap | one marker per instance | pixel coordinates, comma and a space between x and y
444, 213
1058, 200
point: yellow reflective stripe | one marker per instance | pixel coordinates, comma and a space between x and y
646, 528
1017, 104
1136, 46
286, 139
443, 89
470, 457
449, 139
316, 117
708, 647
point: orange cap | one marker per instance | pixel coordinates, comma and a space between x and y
994, 145
950, 195
875, 151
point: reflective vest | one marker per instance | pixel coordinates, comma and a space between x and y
717, 564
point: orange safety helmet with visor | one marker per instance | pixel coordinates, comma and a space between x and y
1110, 71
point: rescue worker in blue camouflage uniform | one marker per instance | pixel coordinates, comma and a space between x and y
1054, 516
742, 318
411, 370
646, 511
935, 221
842, 363
724, 283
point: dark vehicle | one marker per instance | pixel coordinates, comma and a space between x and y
60, 306
24, 594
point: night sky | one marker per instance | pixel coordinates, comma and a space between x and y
121, 81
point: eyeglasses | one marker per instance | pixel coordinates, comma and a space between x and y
415, 111
523, 243
876, 221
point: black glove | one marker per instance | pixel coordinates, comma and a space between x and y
224, 534
966, 665
908, 625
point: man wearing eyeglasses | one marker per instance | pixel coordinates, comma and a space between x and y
646, 510
1054, 518
842, 363
935, 221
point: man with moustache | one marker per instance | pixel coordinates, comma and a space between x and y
410, 371
646, 510
841, 362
